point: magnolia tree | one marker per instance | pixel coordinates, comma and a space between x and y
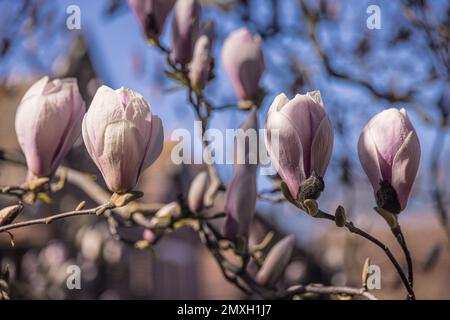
123, 137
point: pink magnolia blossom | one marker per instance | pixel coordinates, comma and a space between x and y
389, 151
185, 29
151, 14
48, 121
122, 136
243, 60
200, 66
276, 262
305, 138
242, 192
197, 191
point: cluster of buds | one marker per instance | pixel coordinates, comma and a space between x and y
192, 43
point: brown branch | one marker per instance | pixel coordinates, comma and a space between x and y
97, 210
350, 227
332, 290
237, 276
398, 234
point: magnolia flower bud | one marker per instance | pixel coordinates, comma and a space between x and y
151, 15
122, 136
197, 191
242, 192
8, 214
172, 210
48, 121
243, 60
200, 66
148, 235
305, 142
185, 28
276, 262
389, 151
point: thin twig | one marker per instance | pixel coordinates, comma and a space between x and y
55, 217
349, 225
332, 290
402, 241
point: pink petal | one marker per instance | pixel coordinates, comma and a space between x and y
389, 130
306, 115
185, 29
243, 61
122, 155
368, 156
36, 89
279, 102
247, 141
155, 143
157, 9
106, 107
404, 170
288, 159
322, 147
240, 203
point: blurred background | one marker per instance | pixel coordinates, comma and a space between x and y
308, 45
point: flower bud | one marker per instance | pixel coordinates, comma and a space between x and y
305, 142
389, 151
185, 28
276, 262
151, 15
8, 214
172, 210
148, 235
242, 192
48, 121
197, 191
122, 136
200, 66
243, 60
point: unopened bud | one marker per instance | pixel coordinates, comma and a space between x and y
171, 210
365, 272
37, 183
8, 214
340, 216
121, 200
197, 191
80, 206
276, 262
311, 206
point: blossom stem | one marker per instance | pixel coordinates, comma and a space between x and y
402, 241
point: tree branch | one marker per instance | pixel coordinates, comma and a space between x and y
97, 210
350, 227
